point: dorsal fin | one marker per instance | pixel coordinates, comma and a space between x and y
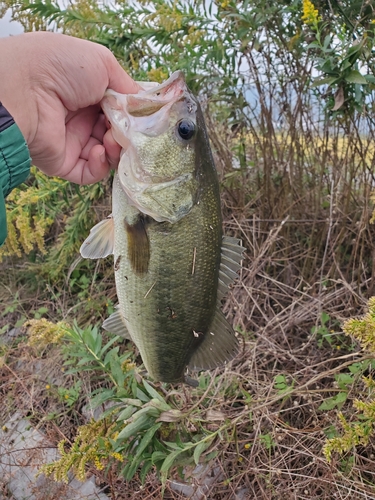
100, 241
231, 256
219, 345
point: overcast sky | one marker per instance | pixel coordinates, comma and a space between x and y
8, 27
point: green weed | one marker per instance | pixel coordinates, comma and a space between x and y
138, 428
361, 426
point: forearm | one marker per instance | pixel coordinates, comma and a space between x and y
14, 162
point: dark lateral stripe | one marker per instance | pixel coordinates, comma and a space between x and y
6, 119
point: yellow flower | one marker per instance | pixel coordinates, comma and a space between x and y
247, 446
48, 386
42, 332
157, 75
98, 464
117, 456
310, 14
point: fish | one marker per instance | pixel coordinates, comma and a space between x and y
172, 264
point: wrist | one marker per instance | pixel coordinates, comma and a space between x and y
16, 93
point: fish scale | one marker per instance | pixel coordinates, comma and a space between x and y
172, 264
178, 294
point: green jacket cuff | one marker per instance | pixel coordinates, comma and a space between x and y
15, 163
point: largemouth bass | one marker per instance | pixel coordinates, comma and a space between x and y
172, 264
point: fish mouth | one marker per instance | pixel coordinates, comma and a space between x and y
164, 194
150, 100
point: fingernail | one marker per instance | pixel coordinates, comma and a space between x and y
102, 157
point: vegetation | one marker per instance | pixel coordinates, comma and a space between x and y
288, 92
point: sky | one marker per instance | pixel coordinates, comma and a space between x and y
8, 27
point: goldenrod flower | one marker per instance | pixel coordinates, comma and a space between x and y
42, 332
157, 75
98, 464
310, 13
117, 456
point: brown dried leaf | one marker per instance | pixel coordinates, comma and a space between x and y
170, 416
215, 415
339, 99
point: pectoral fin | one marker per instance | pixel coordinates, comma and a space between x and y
100, 241
115, 324
219, 345
231, 256
138, 246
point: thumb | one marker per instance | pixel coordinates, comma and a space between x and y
118, 79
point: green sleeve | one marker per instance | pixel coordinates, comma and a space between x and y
15, 164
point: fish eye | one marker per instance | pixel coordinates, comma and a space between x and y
186, 129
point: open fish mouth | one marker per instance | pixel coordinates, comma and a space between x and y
155, 96
156, 168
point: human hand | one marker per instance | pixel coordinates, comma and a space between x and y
52, 85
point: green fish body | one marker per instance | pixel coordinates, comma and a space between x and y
172, 265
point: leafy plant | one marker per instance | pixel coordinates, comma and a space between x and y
138, 429
360, 428
325, 332
267, 441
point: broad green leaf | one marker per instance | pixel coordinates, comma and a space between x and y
133, 428
159, 404
173, 446
331, 403
108, 345
200, 448
168, 463
142, 396
145, 441
116, 368
152, 392
144, 471
109, 355
370, 78
343, 380
101, 397
324, 81
355, 368
126, 413
324, 318
355, 76
157, 456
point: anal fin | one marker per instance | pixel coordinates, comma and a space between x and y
115, 324
219, 345
100, 241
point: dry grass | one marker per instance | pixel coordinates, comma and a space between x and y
302, 209
275, 449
